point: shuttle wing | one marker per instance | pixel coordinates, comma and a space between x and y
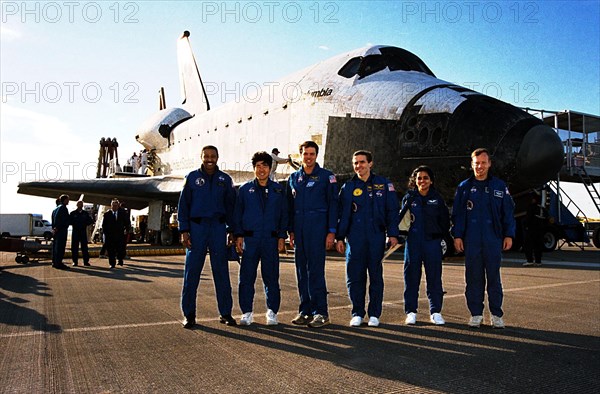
136, 192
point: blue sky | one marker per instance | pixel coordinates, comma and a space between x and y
73, 72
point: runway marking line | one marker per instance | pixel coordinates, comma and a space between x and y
166, 323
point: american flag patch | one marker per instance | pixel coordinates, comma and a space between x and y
391, 187
332, 179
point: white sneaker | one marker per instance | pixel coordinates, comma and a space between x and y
246, 319
373, 321
497, 322
437, 319
271, 318
356, 321
475, 321
411, 318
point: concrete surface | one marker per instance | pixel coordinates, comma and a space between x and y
91, 330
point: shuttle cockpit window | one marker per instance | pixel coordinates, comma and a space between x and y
391, 57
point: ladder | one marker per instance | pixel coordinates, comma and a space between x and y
589, 185
563, 198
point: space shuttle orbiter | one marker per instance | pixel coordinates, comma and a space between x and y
380, 98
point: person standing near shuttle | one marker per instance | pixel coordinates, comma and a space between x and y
313, 196
260, 227
115, 225
276, 161
80, 220
60, 226
533, 229
484, 225
368, 210
430, 222
206, 206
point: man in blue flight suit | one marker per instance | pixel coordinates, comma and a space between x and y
60, 227
313, 196
484, 225
80, 220
260, 227
205, 208
368, 210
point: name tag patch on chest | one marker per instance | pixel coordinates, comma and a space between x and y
310, 184
498, 193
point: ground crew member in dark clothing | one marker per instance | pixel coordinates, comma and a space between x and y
115, 225
80, 220
483, 226
260, 223
534, 227
205, 210
313, 197
430, 223
60, 229
368, 210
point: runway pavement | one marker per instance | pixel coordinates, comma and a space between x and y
91, 330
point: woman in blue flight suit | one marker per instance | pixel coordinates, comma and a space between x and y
430, 222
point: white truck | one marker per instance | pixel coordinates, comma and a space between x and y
24, 225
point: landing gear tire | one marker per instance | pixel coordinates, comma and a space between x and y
166, 237
596, 237
550, 240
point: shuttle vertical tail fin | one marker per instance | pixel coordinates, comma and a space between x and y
194, 97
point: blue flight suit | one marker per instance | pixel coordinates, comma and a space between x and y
61, 222
430, 222
367, 211
205, 208
261, 217
313, 213
483, 216
80, 220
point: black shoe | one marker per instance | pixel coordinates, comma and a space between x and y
60, 266
228, 320
302, 320
86, 264
120, 263
189, 321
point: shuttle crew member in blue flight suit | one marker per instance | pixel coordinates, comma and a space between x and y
60, 227
313, 196
206, 207
430, 222
484, 225
80, 220
260, 226
368, 210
